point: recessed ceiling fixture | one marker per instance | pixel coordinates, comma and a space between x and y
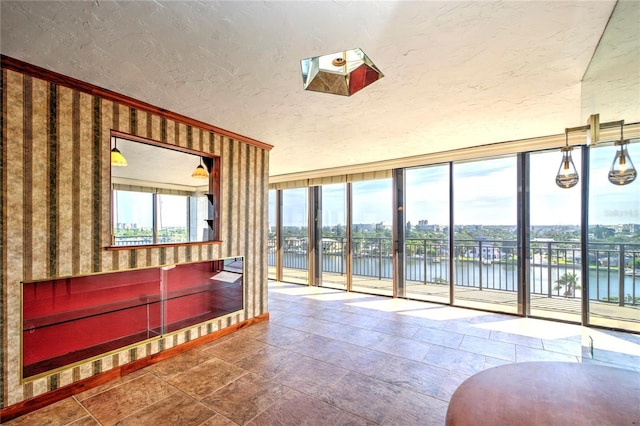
342, 73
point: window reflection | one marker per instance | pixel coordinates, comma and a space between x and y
156, 200
173, 221
133, 218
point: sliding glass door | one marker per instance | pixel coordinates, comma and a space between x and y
371, 240
614, 244
295, 235
334, 236
555, 266
272, 246
485, 234
427, 233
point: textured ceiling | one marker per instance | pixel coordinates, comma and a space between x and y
457, 74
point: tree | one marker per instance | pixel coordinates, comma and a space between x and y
570, 284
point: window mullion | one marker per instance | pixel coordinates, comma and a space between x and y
155, 217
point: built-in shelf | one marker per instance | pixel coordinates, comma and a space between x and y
210, 222
69, 320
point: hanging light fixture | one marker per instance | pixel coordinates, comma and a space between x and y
567, 176
622, 171
117, 159
200, 172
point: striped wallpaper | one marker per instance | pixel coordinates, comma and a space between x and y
55, 208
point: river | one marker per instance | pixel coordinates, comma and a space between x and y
603, 282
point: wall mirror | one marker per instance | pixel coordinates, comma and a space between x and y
158, 198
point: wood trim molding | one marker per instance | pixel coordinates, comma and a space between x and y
122, 135
40, 401
72, 83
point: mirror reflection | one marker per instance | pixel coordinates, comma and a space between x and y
161, 196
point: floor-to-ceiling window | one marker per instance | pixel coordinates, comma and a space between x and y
334, 235
519, 241
614, 244
295, 235
272, 245
427, 233
371, 240
485, 234
555, 215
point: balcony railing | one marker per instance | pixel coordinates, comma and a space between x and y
143, 240
484, 264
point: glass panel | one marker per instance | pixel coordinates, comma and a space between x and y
485, 240
371, 237
271, 241
427, 233
555, 273
133, 218
197, 292
295, 234
614, 244
334, 236
173, 218
64, 319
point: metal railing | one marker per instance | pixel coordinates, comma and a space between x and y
144, 239
555, 266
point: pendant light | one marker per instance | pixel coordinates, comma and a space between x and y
622, 171
117, 159
567, 176
200, 172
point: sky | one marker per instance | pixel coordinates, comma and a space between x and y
485, 193
136, 207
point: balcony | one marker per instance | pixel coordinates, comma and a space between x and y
486, 271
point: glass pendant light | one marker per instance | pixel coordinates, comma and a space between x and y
117, 159
200, 172
567, 176
622, 171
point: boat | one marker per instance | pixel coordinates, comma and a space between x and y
631, 272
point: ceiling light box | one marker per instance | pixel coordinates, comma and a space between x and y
342, 73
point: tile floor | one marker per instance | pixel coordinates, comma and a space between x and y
332, 358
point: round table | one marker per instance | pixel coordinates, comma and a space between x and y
547, 393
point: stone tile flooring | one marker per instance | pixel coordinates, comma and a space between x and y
328, 357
